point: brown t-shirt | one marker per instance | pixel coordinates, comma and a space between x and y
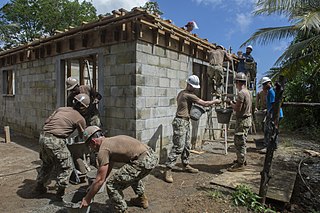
244, 97
64, 121
120, 149
185, 99
216, 57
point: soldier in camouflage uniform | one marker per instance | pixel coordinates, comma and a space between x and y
53, 149
181, 127
139, 161
242, 107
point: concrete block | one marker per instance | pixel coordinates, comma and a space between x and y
184, 66
144, 113
142, 57
141, 102
152, 102
144, 47
162, 92
130, 68
172, 73
151, 81
164, 82
126, 58
159, 51
165, 62
153, 60
148, 91
183, 58
175, 65
147, 69
163, 101
140, 125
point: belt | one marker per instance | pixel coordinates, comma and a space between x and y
47, 134
184, 118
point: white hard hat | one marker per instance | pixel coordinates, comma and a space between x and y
265, 80
194, 81
222, 47
71, 83
249, 46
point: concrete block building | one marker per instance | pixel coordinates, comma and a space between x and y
136, 60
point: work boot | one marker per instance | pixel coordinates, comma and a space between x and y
60, 193
236, 168
140, 201
168, 176
236, 161
190, 169
40, 189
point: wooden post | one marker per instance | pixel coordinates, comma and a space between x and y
7, 134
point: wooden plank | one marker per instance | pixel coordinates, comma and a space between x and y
280, 186
7, 134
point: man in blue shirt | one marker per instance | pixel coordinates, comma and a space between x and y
271, 97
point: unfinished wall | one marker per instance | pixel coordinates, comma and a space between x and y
34, 98
161, 74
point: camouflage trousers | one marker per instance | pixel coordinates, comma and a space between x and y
55, 156
93, 117
130, 174
240, 138
216, 74
181, 142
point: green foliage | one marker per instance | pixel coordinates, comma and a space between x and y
243, 196
37, 18
304, 87
214, 194
152, 7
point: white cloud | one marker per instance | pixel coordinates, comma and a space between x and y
106, 6
208, 2
281, 47
243, 21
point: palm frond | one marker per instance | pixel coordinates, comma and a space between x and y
267, 35
305, 49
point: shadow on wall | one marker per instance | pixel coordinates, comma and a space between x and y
153, 144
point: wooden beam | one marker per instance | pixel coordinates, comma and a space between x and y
301, 104
7, 134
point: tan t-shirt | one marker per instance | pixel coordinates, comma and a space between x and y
120, 149
245, 98
185, 99
216, 57
64, 121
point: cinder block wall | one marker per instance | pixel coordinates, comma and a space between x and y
119, 89
34, 99
161, 74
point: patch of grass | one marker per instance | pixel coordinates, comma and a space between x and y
286, 143
243, 196
214, 194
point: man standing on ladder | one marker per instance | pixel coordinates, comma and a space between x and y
93, 116
215, 71
242, 107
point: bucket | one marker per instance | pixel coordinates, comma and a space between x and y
224, 115
260, 115
91, 175
196, 112
72, 202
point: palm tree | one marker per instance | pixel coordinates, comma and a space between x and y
304, 16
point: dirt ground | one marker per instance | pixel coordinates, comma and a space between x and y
188, 193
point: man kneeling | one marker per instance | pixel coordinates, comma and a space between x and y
139, 158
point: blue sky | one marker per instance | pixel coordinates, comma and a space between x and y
225, 22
